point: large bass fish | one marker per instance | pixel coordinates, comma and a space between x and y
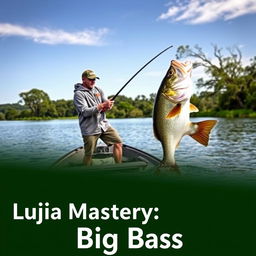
172, 109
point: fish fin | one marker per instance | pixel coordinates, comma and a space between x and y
193, 108
203, 131
174, 112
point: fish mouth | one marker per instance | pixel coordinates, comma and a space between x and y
178, 83
184, 68
175, 98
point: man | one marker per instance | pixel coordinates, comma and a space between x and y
91, 106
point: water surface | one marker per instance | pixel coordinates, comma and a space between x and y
232, 146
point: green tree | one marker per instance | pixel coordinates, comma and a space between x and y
136, 113
25, 113
115, 112
152, 97
146, 105
250, 80
230, 85
61, 107
12, 114
71, 110
38, 101
51, 111
2, 116
124, 106
65, 108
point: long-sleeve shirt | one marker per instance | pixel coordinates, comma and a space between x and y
91, 120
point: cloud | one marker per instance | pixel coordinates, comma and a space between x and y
50, 36
203, 11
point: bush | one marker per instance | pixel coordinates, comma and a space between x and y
12, 114
136, 113
2, 116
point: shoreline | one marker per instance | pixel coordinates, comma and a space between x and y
232, 114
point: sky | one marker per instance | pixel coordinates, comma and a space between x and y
48, 44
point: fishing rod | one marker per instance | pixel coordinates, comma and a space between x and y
139, 71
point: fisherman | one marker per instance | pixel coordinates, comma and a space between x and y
91, 105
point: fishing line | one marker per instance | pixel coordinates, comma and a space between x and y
139, 71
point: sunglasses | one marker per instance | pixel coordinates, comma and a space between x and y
93, 79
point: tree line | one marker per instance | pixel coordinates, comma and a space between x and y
230, 86
36, 104
229, 91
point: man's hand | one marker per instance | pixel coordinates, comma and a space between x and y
106, 105
111, 103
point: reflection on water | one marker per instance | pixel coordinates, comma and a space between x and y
232, 145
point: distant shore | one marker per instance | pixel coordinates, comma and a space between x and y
237, 113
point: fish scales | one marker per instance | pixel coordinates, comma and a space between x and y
172, 112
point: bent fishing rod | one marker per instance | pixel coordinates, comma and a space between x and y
139, 71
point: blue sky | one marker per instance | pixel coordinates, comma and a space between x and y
48, 44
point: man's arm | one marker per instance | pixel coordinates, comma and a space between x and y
106, 103
82, 106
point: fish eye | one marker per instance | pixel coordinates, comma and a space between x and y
172, 71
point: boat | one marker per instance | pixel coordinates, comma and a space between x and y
133, 158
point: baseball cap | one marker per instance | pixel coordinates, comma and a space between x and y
89, 74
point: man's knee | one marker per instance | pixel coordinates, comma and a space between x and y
118, 145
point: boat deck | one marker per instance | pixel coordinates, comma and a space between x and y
103, 157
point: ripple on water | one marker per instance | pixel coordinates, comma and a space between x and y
232, 146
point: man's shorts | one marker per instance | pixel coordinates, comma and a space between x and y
110, 137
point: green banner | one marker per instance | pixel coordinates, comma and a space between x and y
124, 212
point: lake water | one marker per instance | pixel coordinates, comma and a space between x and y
232, 146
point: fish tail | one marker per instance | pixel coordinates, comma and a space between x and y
203, 130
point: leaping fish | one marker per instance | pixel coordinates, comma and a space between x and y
171, 112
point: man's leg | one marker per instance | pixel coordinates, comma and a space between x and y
111, 137
87, 160
118, 152
90, 142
